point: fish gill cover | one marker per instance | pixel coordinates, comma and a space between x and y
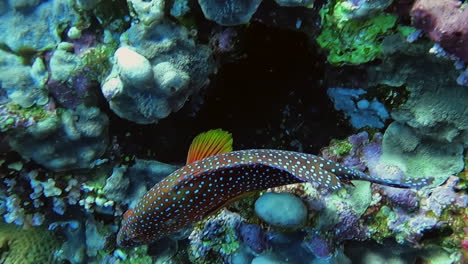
325, 109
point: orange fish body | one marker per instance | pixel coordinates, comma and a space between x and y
201, 187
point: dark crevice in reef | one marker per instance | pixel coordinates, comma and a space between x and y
271, 97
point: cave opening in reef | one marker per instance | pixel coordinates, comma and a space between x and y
269, 97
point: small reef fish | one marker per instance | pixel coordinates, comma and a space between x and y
215, 175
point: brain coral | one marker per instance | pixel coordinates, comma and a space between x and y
33, 245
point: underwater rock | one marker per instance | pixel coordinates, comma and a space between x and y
148, 12
446, 22
117, 184
420, 156
267, 259
72, 140
241, 256
281, 209
362, 9
20, 29
294, 2
142, 175
87, 4
23, 4
73, 249
361, 112
95, 241
157, 73
24, 85
180, 8
64, 63
229, 12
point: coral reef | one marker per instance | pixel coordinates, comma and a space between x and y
33, 245
215, 238
432, 117
23, 35
100, 99
157, 73
70, 140
24, 84
417, 155
229, 12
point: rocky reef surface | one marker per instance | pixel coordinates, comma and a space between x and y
99, 100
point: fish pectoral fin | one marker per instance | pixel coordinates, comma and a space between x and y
210, 143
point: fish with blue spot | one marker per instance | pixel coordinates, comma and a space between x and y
214, 175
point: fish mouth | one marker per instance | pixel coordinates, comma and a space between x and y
122, 239
126, 241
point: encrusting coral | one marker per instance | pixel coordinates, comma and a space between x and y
29, 246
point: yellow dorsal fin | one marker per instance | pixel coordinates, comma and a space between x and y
209, 143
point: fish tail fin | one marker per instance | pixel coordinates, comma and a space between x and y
209, 143
408, 183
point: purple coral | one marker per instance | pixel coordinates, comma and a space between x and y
443, 196
253, 236
225, 40
86, 41
318, 246
348, 226
401, 197
70, 95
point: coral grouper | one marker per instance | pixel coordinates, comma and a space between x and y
215, 176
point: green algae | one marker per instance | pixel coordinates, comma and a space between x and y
349, 41
16, 112
463, 184
391, 96
378, 224
97, 60
406, 30
451, 235
224, 242
340, 148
